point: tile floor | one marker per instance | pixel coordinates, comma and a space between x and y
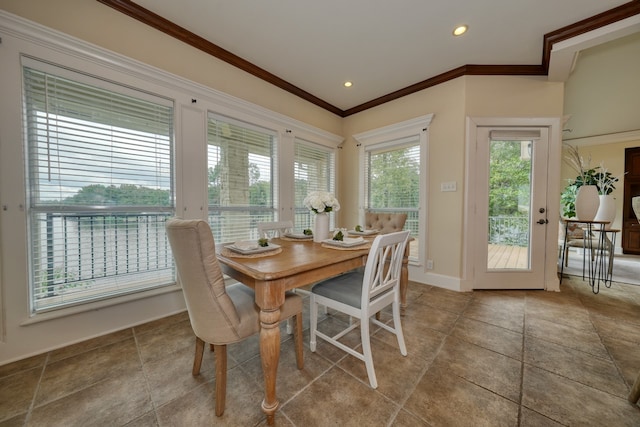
487, 358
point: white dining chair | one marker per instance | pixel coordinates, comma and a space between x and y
361, 294
272, 229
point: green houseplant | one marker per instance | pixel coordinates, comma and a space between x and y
603, 180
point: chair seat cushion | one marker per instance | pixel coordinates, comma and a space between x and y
243, 298
346, 288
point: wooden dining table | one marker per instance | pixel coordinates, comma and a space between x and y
298, 263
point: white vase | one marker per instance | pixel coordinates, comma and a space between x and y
606, 210
321, 227
587, 202
635, 204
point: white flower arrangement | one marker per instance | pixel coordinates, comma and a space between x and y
321, 201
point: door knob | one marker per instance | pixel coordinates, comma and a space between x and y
543, 221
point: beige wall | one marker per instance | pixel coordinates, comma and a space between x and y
603, 91
602, 100
451, 103
446, 163
514, 96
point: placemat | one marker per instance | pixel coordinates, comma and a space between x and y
349, 248
231, 254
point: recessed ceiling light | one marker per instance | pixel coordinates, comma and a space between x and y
348, 84
460, 30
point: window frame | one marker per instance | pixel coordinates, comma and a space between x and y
396, 135
302, 218
192, 99
108, 218
266, 213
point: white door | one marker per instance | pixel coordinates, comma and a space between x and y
511, 207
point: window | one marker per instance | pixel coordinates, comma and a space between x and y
241, 166
314, 170
99, 161
392, 179
393, 175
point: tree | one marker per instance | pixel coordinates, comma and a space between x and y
124, 195
214, 185
394, 180
509, 179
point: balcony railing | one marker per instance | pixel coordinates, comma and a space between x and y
93, 255
509, 230
87, 256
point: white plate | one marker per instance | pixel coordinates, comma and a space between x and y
246, 248
298, 236
346, 243
363, 232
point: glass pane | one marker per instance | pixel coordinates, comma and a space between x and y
509, 205
241, 189
393, 183
100, 189
314, 170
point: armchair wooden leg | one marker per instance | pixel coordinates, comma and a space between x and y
197, 360
297, 339
221, 378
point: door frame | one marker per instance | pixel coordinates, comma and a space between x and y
554, 124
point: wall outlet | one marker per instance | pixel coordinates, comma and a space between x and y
429, 264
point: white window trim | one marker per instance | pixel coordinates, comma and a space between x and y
389, 134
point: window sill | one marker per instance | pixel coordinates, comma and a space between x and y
99, 305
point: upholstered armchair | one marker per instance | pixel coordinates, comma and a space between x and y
385, 222
219, 314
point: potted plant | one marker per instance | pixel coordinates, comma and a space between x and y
601, 184
568, 200
586, 201
606, 184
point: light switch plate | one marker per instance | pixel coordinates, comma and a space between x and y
448, 186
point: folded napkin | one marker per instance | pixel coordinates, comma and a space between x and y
352, 240
246, 245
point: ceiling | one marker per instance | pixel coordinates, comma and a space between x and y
386, 48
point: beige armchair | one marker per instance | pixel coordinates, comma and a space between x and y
576, 239
385, 222
219, 314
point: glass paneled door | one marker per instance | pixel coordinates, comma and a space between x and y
511, 217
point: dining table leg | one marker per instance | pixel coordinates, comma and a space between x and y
269, 298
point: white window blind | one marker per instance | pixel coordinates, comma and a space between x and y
314, 170
393, 175
241, 164
100, 187
392, 179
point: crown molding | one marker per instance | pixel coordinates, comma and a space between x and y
611, 16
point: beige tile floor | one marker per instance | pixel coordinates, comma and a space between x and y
487, 358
